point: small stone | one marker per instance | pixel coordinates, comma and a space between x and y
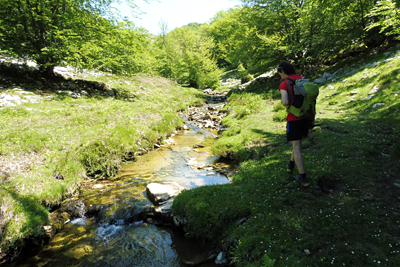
373, 90
221, 258
308, 253
378, 105
369, 97
198, 146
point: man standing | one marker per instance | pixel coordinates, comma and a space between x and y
296, 128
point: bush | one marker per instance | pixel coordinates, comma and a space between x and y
247, 78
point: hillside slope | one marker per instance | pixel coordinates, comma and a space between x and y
55, 133
349, 215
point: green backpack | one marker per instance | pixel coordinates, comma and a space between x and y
304, 98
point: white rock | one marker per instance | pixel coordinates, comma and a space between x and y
221, 258
373, 90
378, 105
161, 192
369, 97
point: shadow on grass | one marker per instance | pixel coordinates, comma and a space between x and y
24, 219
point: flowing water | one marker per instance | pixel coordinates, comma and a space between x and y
116, 235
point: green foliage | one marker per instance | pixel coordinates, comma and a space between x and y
45, 31
187, 57
262, 33
83, 34
388, 16
243, 74
126, 50
268, 262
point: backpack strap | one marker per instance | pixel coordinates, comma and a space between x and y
288, 80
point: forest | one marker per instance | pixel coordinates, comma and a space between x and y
255, 36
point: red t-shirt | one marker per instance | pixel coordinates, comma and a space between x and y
282, 86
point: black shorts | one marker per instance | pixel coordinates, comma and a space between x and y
297, 130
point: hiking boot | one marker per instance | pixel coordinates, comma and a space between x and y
302, 179
290, 166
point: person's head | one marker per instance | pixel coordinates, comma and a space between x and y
286, 68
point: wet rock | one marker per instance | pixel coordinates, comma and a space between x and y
221, 258
50, 231
58, 219
198, 145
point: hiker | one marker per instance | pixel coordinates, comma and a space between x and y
296, 128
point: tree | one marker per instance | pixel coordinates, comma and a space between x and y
388, 17
126, 50
46, 30
163, 25
187, 57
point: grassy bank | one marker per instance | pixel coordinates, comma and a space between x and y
48, 148
348, 216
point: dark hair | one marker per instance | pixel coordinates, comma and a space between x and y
286, 67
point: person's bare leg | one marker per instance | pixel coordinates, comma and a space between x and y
297, 156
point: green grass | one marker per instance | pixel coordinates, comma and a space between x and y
348, 216
47, 149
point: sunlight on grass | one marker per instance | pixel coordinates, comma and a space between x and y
47, 149
348, 214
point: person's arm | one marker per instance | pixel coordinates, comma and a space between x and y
284, 98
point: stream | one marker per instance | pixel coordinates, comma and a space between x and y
110, 223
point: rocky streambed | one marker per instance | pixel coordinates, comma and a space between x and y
127, 221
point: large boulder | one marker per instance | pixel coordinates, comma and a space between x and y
161, 192
162, 195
